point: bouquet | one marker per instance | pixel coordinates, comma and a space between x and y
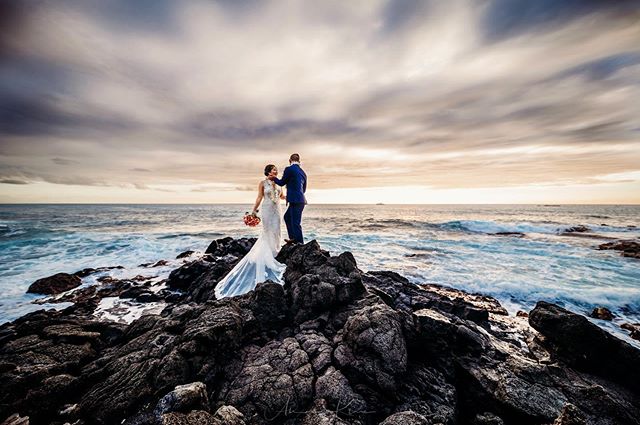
251, 220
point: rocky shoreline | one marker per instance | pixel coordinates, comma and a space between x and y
333, 345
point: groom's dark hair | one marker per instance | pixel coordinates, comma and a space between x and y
268, 169
294, 157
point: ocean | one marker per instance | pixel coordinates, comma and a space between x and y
452, 245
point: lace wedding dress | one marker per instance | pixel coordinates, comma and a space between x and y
259, 264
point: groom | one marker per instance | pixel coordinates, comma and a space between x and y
296, 181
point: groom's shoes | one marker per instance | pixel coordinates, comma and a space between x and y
289, 241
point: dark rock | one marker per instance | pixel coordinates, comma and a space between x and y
271, 381
628, 248
40, 363
516, 234
521, 313
184, 398
59, 282
333, 345
406, 418
184, 276
634, 328
156, 264
335, 388
184, 254
577, 229
487, 418
319, 414
585, 346
570, 415
197, 417
90, 270
230, 246
371, 347
601, 313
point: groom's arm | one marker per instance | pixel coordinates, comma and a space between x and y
286, 176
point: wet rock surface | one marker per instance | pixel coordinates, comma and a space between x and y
629, 248
56, 284
332, 345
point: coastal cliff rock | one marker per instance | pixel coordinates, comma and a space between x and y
332, 345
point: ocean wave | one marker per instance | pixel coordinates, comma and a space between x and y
192, 234
545, 227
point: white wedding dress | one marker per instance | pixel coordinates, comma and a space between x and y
259, 264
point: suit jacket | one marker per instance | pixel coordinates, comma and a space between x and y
296, 181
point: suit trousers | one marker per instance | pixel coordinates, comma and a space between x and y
293, 220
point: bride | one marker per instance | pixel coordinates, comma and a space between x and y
259, 264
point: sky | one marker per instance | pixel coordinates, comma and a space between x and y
394, 101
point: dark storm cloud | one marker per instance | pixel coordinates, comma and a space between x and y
27, 116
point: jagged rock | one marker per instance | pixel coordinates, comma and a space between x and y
160, 353
371, 346
408, 296
332, 345
184, 254
197, 417
629, 248
582, 344
521, 313
570, 415
183, 399
577, 229
158, 263
406, 418
229, 415
55, 284
601, 313
318, 282
321, 415
270, 381
334, 387
90, 270
318, 348
184, 276
487, 418
41, 357
230, 246
634, 328
425, 390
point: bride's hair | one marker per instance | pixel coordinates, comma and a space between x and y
268, 169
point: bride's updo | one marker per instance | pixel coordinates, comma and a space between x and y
268, 169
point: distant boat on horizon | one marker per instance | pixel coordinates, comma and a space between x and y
379, 203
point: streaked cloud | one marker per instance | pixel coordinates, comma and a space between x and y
194, 97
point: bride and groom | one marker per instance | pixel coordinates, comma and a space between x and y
260, 263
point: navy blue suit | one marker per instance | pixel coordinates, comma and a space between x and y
296, 181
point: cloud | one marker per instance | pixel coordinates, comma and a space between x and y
13, 181
372, 93
63, 161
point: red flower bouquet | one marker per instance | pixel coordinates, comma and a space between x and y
251, 220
